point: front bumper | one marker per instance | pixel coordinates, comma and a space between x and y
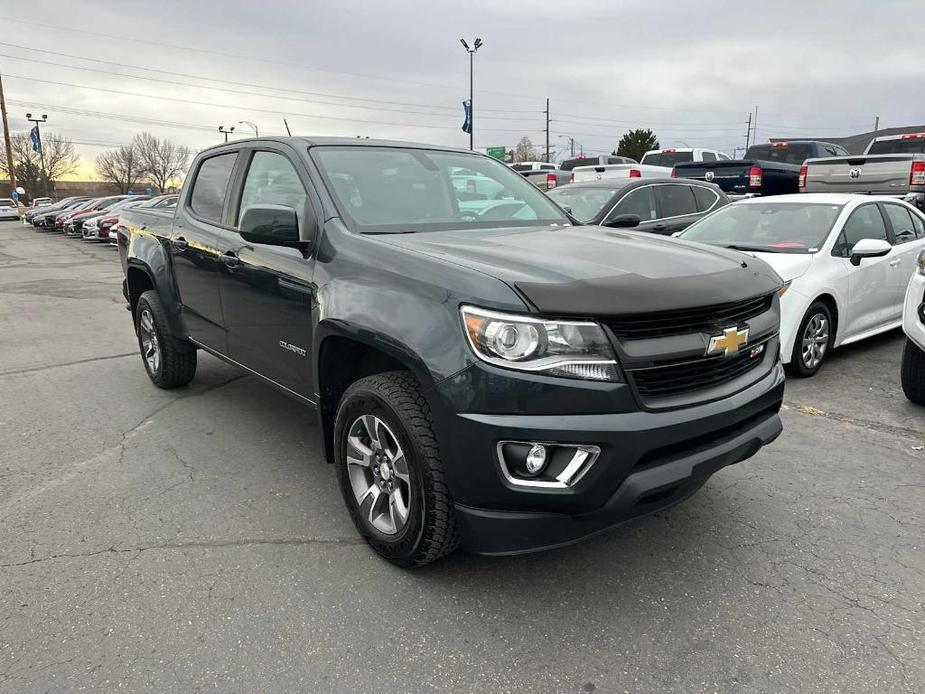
914, 310
648, 461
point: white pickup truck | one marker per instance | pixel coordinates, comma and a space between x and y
891, 165
656, 163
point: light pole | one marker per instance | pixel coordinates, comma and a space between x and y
225, 132
247, 122
38, 140
471, 51
571, 144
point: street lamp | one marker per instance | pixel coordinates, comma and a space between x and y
471, 51
247, 122
38, 144
225, 132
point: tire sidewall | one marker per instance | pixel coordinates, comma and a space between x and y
796, 356
404, 545
143, 304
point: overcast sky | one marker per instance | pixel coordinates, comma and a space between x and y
692, 71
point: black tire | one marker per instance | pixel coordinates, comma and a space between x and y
913, 372
174, 366
430, 529
797, 366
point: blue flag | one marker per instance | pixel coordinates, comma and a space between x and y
467, 124
36, 139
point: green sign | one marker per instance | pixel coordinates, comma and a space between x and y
496, 152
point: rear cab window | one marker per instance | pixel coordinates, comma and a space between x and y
901, 145
210, 187
668, 158
784, 152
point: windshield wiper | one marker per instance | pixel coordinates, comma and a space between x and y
755, 249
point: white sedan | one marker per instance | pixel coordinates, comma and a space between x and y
8, 209
913, 368
846, 260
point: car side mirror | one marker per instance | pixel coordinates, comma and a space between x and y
276, 225
623, 221
869, 248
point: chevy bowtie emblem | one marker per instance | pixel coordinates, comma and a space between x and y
729, 342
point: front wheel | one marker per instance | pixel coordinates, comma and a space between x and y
913, 372
168, 366
388, 467
812, 341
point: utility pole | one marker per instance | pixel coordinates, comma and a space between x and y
38, 134
225, 132
6, 139
748, 130
876, 120
547, 129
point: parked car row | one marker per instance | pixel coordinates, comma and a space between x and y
91, 218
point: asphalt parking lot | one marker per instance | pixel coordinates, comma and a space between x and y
194, 540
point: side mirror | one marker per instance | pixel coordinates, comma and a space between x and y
869, 248
275, 225
623, 221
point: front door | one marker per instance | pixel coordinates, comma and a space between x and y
196, 247
871, 288
267, 291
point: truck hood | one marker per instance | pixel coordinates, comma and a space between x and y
788, 265
598, 271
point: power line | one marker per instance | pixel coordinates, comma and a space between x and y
647, 121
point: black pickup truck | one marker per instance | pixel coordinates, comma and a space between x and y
768, 169
505, 382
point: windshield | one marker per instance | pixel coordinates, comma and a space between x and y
793, 227
788, 154
911, 146
668, 158
393, 189
585, 203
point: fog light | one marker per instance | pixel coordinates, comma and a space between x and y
536, 458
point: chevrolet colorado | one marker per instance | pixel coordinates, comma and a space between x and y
506, 383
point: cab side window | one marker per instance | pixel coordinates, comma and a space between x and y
865, 222
208, 198
640, 202
272, 180
709, 156
901, 221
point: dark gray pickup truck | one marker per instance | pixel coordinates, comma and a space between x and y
507, 384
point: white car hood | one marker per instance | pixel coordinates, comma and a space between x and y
788, 265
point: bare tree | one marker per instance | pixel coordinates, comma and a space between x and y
162, 160
121, 166
524, 151
60, 160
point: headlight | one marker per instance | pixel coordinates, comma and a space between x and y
557, 348
921, 261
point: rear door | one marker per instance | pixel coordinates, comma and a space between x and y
198, 237
267, 291
908, 231
677, 207
871, 284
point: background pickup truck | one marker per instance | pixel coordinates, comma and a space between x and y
891, 165
506, 384
674, 156
544, 175
767, 169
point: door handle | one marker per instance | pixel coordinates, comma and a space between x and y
895, 262
230, 259
180, 243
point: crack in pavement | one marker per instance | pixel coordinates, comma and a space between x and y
847, 419
197, 544
33, 369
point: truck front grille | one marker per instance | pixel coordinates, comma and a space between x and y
680, 322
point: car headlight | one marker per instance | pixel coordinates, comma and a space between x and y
557, 348
921, 261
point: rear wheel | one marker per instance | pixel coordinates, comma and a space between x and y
812, 342
913, 372
167, 364
388, 467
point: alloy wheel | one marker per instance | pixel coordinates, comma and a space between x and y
378, 474
815, 340
150, 347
